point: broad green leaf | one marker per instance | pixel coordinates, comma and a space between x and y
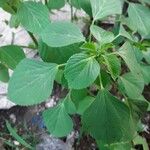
75, 3
125, 34
147, 56
102, 35
33, 16
2, 2
113, 65
115, 146
108, 119
146, 1
139, 19
81, 71
14, 21
56, 4
127, 53
17, 137
59, 34
4, 75
57, 54
11, 55
86, 6
58, 121
31, 82
77, 96
139, 105
142, 141
146, 73
138, 54
69, 105
131, 84
104, 8
84, 104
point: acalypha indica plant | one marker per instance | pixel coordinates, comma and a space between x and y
105, 73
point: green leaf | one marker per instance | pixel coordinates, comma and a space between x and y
17, 137
128, 55
69, 105
102, 35
139, 19
146, 73
147, 56
33, 16
146, 1
108, 119
77, 96
113, 65
2, 2
57, 54
59, 34
31, 82
115, 146
86, 6
131, 84
11, 55
56, 4
125, 34
14, 21
75, 3
84, 104
81, 71
104, 8
58, 121
4, 75
138, 140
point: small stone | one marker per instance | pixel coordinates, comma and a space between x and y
51, 143
13, 118
16, 143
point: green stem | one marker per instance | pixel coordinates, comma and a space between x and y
46, 2
72, 17
101, 84
33, 38
90, 36
62, 65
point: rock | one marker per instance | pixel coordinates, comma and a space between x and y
5, 103
51, 143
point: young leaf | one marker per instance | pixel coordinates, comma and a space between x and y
139, 19
56, 4
102, 35
4, 75
108, 119
81, 71
31, 82
17, 137
131, 84
11, 55
104, 8
57, 55
59, 34
113, 65
58, 121
33, 16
